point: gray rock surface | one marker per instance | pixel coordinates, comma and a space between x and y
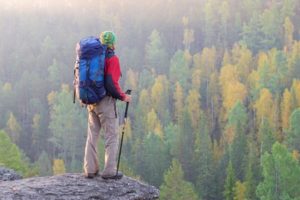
76, 186
8, 174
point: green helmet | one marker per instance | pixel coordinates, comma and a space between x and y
108, 38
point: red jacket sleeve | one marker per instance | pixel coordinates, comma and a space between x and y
112, 74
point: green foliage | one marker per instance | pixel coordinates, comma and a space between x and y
203, 163
238, 116
44, 164
174, 186
238, 153
68, 128
280, 175
179, 69
155, 158
230, 183
293, 138
156, 55
10, 154
265, 133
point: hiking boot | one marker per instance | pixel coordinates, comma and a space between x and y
117, 176
91, 175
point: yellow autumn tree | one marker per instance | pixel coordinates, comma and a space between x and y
178, 103
286, 109
262, 60
288, 33
231, 88
242, 58
226, 59
229, 73
13, 128
196, 79
58, 166
240, 191
160, 98
295, 92
233, 93
264, 106
153, 123
193, 107
208, 61
293, 58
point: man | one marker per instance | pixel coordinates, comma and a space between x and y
104, 115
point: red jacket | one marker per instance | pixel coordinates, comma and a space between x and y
112, 74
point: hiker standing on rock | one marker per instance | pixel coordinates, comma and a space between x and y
104, 115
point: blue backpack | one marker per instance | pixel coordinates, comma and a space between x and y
89, 71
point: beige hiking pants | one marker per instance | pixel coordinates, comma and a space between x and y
102, 115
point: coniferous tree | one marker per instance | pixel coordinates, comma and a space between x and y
44, 164
293, 138
156, 55
280, 175
204, 163
229, 188
68, 128
155, 159
174, 186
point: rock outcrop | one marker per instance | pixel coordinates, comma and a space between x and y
76, 186
8, 174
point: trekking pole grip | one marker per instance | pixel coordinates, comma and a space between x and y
127, 104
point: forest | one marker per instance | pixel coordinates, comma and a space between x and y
215, 111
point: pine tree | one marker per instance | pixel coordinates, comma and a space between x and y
204, 162
156, 55
68, 127
293, 137
185, 147
175, 187
252, 169
230, 183
155, 159
265, 137
44, 164
179, 69
280, 175
237, 116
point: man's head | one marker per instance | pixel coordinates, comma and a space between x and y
108, 38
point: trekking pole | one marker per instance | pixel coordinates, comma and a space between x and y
74, 94
74, 87
123, 130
